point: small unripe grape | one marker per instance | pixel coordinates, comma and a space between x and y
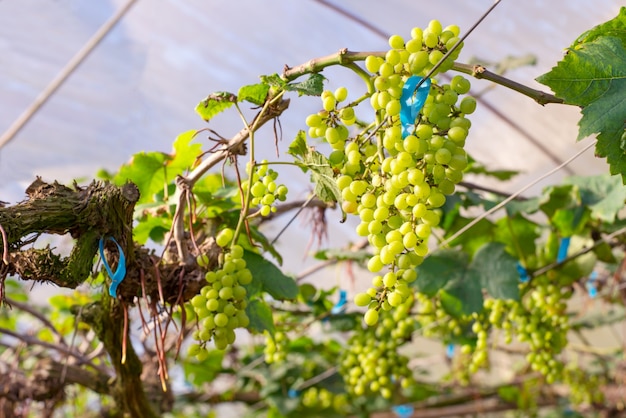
371, 317
467, 105
224, 237
341, 94
329, 103
362, 299
396, 42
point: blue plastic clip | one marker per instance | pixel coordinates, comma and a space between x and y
450, 351
293, 393
523, 274
403, 411
563, 247
412, 102
341, 305
591, 284
120, 273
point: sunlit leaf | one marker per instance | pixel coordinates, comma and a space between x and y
214, 104
273, 280
253, 93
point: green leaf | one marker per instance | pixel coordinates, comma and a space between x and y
475, 167
615, 27
322, 174
593, 75
184, 154
360, 256
199, 372
478, 235
273, 281
497, 271
518, 234
463, 296
298, 147
147, 171
441, 267
274, 80
152, 227
254, 93
605, 195
260, 315
153, 171
214, 104
556, 198
313, 86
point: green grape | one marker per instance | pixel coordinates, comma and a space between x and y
220, 305
224, 237
467, 105
362, 299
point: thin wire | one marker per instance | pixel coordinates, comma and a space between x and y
513, 196
456, 45
293, 218
67, 70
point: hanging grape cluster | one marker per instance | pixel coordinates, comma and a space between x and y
220, 306
397, 183
264, 189
370, 363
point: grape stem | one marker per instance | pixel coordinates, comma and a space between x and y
276, 106
345, 57
480, 72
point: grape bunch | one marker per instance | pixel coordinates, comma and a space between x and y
220, 306
395, 181
276, 347
323, 400
370, 363
264, 189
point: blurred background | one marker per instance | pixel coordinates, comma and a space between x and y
138, 88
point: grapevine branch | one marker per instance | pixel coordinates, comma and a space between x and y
345, 57
187, 182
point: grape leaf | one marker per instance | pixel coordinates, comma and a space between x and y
322, 175
260, 315
299, 148
274, 282
497, 271
147, 171
199, 372
593, 76
313, 86
605, 195
153, 227
152, 171
274, 80
518, 234
184, 154
463, 296
215, 103
253, 93
440, 268
615, 27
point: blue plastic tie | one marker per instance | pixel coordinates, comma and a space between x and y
563, 247
591, 284
341, 305
293, 393
523, 274
403, 411
120, 273
412, 102
450, 351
